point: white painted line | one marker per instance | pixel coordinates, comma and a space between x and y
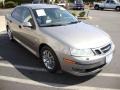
109, 75
23, 67
22, 81
2, 24
35, 83
44, 70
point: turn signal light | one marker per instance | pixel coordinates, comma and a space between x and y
68, 61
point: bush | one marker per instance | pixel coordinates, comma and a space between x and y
20, 1
70, 1
73, 14
10, 4
15, 1
82, 14
1, 5
56, 1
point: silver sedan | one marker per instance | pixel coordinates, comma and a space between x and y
61, 41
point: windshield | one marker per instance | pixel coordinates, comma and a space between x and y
54, 17
117, 1
78, 1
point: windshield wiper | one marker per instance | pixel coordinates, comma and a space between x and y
73, 22
52, 25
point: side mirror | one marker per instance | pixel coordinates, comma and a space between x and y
27, 24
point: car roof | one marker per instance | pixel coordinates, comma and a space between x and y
37, 6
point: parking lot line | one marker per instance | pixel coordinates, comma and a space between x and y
109, 75
23, 67
44, 70
35, 83
2, 24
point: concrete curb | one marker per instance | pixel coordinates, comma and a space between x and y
2, 24
85, 17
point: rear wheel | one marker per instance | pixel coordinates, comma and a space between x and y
9, 34
117, 8
96, 7
49, 59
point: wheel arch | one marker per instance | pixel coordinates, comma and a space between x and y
43, 45
96, 5
117, 7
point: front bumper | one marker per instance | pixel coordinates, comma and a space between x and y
83, 67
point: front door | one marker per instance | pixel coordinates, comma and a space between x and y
110, 4
28, 34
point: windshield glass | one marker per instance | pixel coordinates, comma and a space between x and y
117, 1
78, 1
54, 17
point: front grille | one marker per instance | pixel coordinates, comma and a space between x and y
102, 50
98, 51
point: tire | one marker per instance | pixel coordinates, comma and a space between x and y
9, 32
117, 8
96, 7
49, 59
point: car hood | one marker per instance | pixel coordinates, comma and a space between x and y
79, 35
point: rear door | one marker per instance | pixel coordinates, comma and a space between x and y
112, 4
15, 21
107, 4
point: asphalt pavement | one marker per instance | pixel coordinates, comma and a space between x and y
21, 70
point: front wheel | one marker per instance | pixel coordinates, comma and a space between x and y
49, 59
9, 34
117, 8
96, 7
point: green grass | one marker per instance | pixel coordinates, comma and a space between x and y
76, 12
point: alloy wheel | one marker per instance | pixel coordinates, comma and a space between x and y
48, 59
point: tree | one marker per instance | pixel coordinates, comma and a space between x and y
3, 2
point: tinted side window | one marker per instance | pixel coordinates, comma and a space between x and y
112, 2
36, 1
108, 1
17, 13
27, 17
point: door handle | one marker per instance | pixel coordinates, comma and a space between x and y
20, 26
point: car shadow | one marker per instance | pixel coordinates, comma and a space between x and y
15, 54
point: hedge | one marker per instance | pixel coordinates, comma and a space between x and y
10, 4
20, 1
86, 0
1, 5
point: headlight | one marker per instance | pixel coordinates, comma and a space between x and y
81, 52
